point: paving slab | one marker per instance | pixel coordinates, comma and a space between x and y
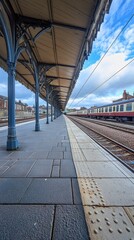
82, 170
94, 155
4, 154
20, 154
49, 191
55, 171
76, 192
78, 156
26, 222
12, 190
55, 155
58, 148
56, 162
39, 154
111, 223
42, 168
2, 162
103, 169
67, 154
87, 145
67, 169
117, 191
68, 149
91, 193
69, 225
19, 168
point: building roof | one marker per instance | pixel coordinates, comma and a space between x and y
3, 97
125, 96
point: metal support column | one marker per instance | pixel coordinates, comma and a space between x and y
37, 125
51, 112
58, 112
55, 112
47, 99
12, 142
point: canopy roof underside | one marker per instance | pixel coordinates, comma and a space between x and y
60, 34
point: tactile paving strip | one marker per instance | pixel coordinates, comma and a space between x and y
74, 145
108, 223
90, 192
78, 155
82, 169
87, 145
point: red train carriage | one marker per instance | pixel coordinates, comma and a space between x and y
121, 111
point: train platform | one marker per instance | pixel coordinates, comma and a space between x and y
60, 185
106, 188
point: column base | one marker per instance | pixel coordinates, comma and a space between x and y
12, 144
37, 128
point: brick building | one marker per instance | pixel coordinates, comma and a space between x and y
19, 106
125, 96
3, 102
22, 110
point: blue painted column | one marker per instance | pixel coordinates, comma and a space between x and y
55, 114
47, 96
51, 112
37, 125
12, 142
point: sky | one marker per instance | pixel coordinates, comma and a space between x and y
119, 55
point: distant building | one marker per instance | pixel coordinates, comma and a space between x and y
125, 96
30, 109
22, 109
42, 109
3, 102
19, 106
71, 109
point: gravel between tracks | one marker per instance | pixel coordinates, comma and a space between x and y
122, 137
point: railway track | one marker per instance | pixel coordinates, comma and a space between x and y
121, 152
20, 120
112, 125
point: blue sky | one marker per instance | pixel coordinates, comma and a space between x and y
118, 56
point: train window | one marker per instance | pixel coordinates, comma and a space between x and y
102, 110
129, 107
113, 108
121, 108
117, 108
99, 110
110, 109
106, 109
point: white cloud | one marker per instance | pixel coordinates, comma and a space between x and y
129, 35
21, 92
3, 89
110, 90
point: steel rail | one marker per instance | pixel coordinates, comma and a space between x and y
120, 128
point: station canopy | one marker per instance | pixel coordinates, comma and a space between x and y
59, 33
